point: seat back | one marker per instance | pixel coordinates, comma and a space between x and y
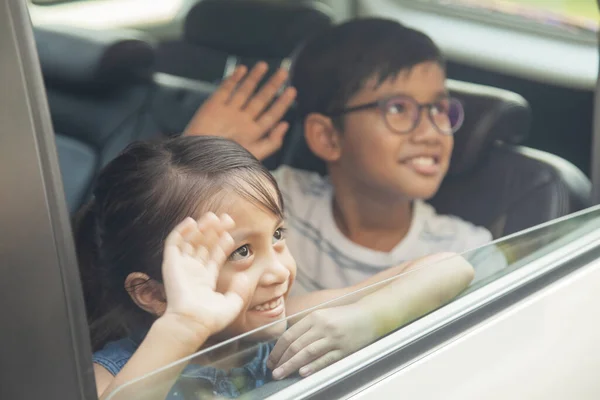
97, 85
219, 34
103, 94
492, 181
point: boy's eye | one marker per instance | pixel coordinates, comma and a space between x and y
397, 107
279, 235
241, 253
441, 107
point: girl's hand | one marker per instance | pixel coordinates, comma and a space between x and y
236, 112
320, 339
194, 253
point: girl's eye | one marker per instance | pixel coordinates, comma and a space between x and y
241, 253
279, 235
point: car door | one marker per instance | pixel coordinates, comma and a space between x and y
44, 346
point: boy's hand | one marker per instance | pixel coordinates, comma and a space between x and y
320, 339
194, 253
235, 112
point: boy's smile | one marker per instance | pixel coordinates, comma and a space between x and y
424, 163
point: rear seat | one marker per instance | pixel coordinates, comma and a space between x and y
97, 85
103, 95
219, 34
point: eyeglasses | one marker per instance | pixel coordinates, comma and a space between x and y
402, 114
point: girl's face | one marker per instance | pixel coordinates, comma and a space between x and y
263, 257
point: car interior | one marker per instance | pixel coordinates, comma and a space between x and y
117, 86
525, 159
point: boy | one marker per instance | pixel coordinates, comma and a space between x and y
372, 96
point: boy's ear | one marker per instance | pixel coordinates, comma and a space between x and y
322, 137
146, 293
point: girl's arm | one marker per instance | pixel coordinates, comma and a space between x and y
168, 340
303, 302
194, 310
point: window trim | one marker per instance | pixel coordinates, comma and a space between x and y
45, 338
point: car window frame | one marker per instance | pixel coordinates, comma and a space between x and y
45, 346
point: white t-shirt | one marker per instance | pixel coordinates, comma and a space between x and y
327, 259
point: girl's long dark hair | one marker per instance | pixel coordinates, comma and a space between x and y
138, 199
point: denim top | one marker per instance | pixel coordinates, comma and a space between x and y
196, 381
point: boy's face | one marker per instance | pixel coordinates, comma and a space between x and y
375, 159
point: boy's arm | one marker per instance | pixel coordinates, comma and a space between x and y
237, 112
329, 334
303, 302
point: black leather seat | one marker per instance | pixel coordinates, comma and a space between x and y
492, 181
97, 84
221, 33
103, 93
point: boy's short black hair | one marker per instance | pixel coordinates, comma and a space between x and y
335, 64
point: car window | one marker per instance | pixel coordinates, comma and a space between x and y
528, 254
576, 17
105, 14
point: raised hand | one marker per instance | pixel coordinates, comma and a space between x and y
194, 253
236, 112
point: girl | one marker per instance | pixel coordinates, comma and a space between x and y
158, 289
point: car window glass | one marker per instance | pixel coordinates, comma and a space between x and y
547, 243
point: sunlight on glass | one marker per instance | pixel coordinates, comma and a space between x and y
566, 14
103, 14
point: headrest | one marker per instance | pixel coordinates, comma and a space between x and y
491, 115
89, 59
255, 28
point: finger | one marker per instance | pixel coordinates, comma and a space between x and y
239, 290
322, 362
270, 144
210, 231
316, 350
300, 345
257, 104
277, 110
227, 87
248, 86
175, 238
289, 337
219, 254
234, 299
223, 248
227, 223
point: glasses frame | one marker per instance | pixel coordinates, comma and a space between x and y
382, 105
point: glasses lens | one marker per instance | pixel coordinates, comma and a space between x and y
456, 114
447, 115
401, 114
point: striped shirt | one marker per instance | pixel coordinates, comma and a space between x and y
327, 259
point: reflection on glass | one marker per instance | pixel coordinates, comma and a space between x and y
240, 367
569, 15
